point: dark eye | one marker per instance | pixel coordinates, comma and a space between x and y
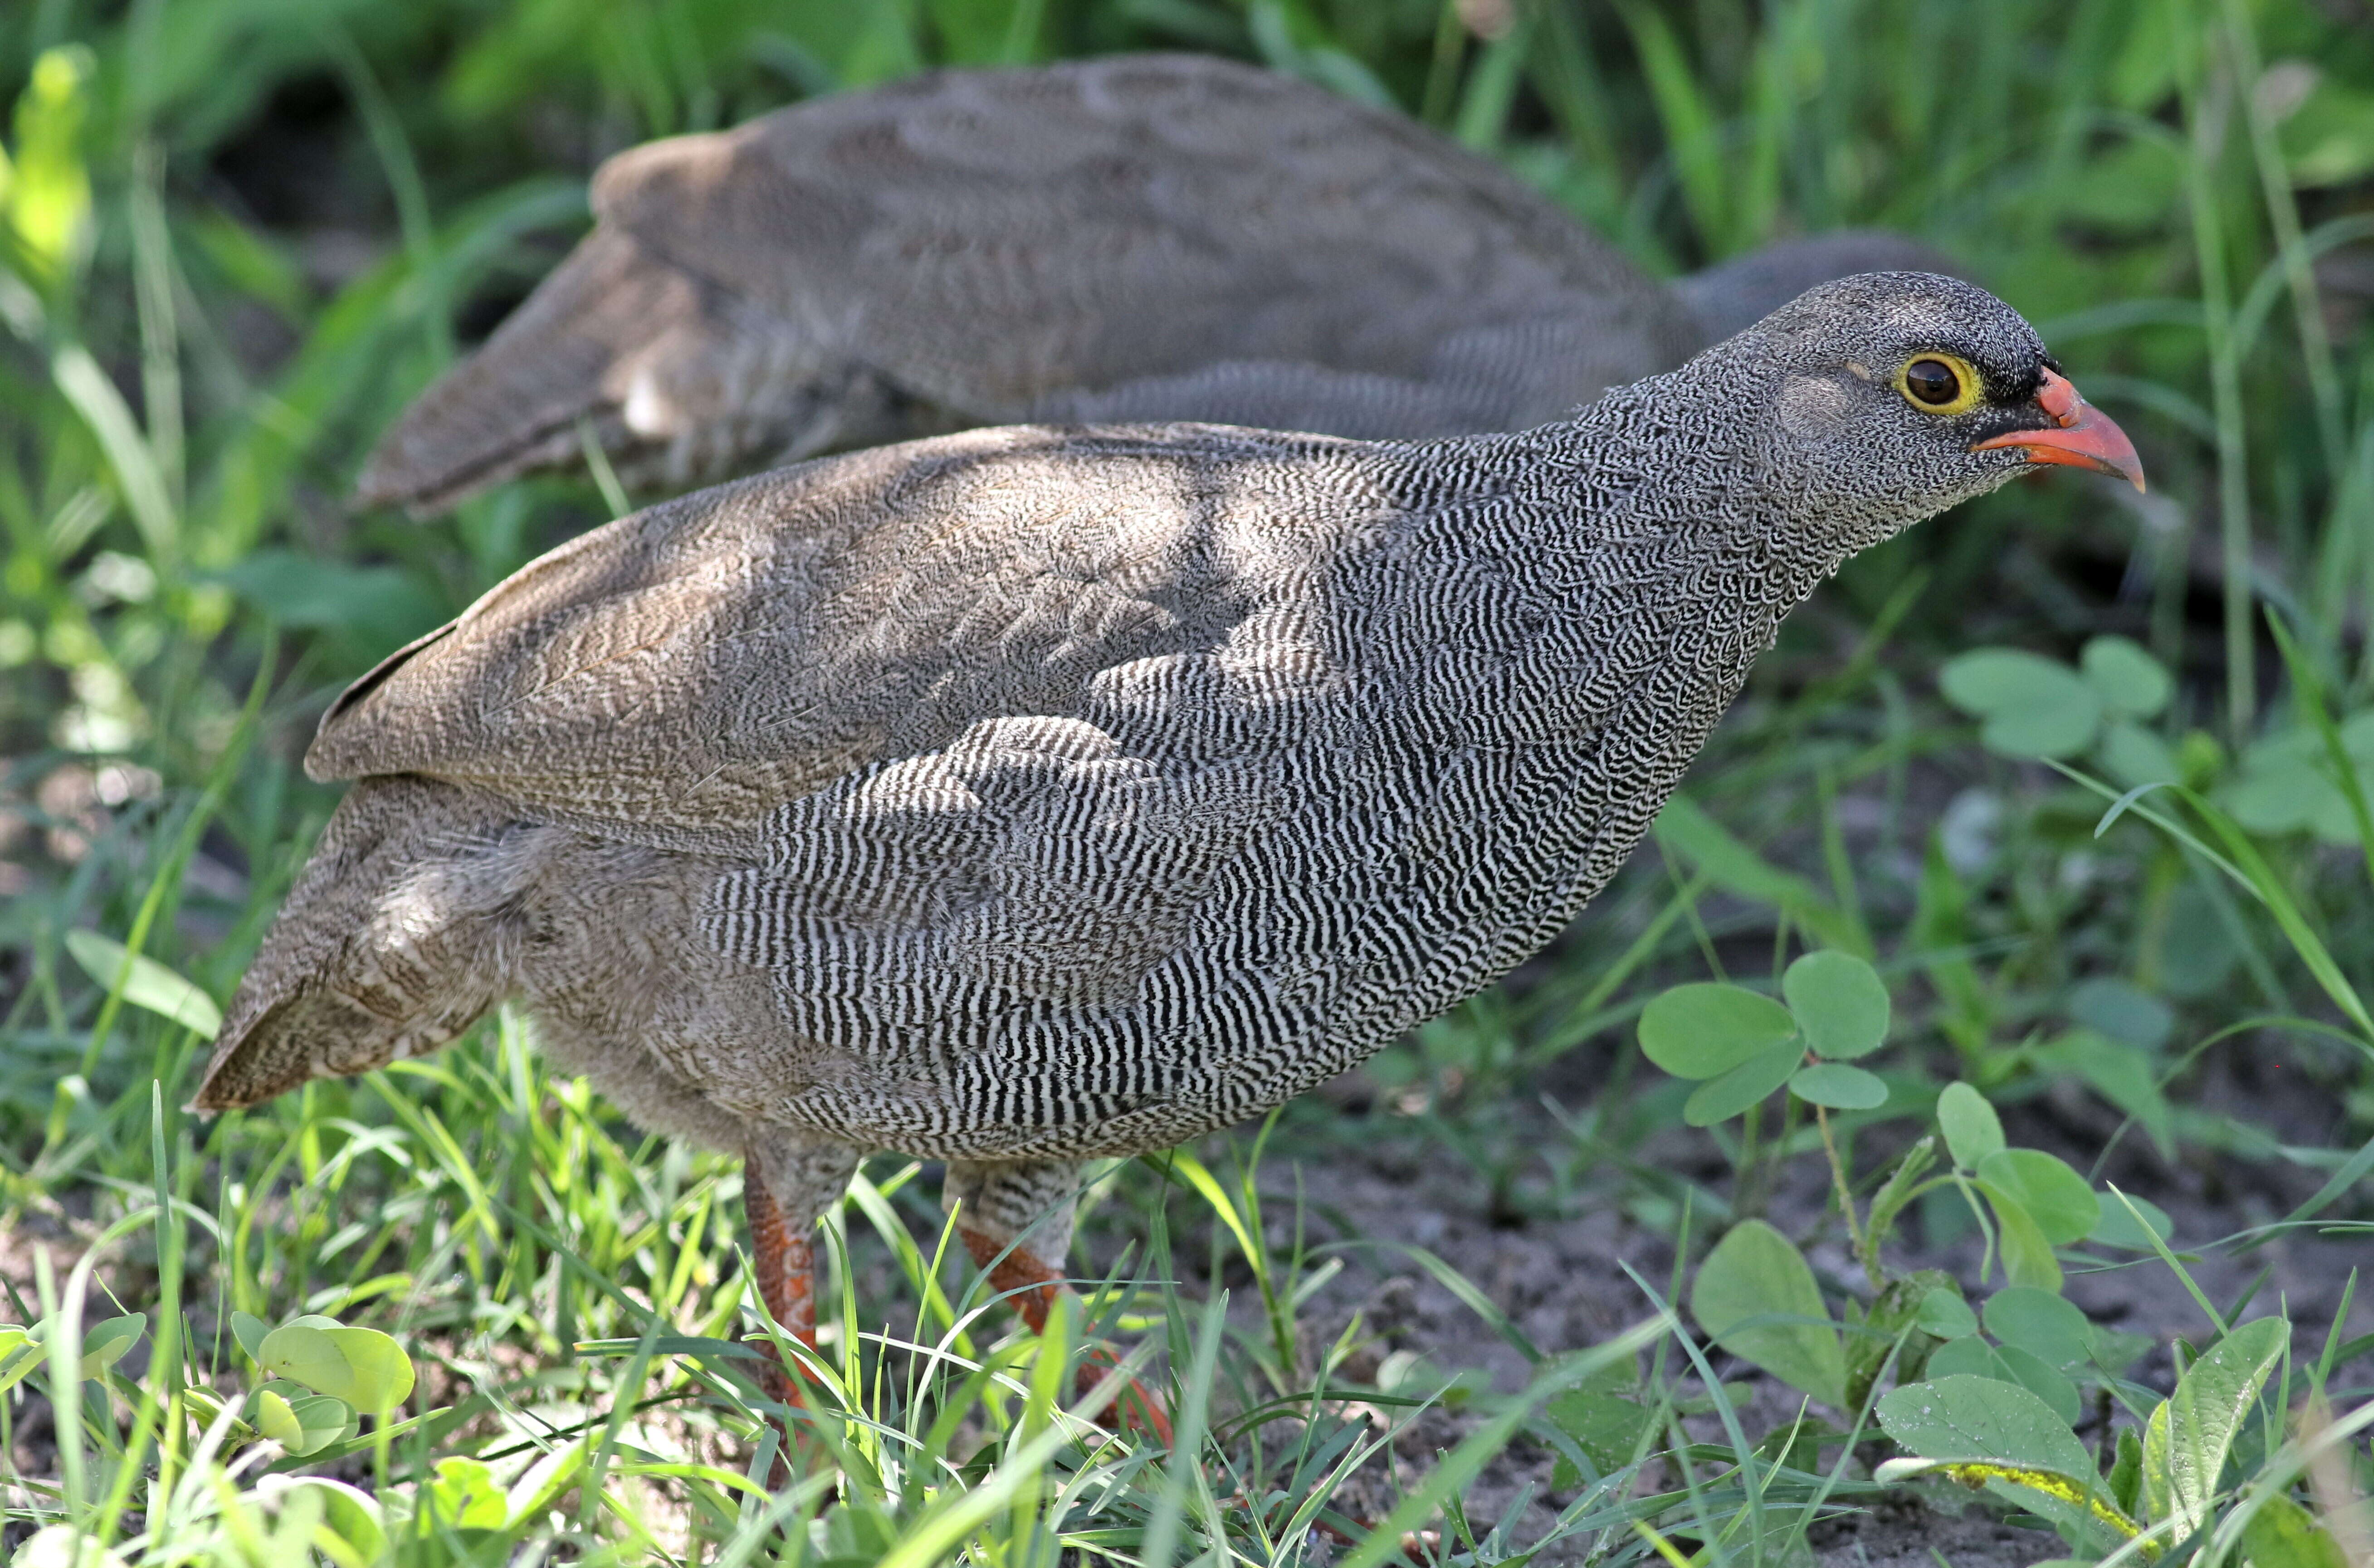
1932, 382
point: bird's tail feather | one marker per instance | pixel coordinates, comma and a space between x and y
398, 936
515, 404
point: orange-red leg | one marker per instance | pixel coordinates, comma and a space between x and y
786, 1269
787, 1185
1030, 1287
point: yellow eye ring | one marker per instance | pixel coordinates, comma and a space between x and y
1939, 384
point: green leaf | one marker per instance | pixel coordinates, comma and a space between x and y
351, 1513
20, 1353
2188, 1437
2134, 756
467, 1497
149, 985
1840, 1001
2031, 706
2031, 732
2329, 140
1986, 680
345, 1421
362, 1366
2282, 1534
2125, 1075
1683, 828
1963, 1417
320, 1420
1972, 1356
1607, 1427
1968, 1355
1706, 1030
270, 1415
2127, 1470
2027, 1256
2115, 1349
62, 1545
2123, 1010
1944, 1314
2055, 1196
104, 1344
1744, 1085
25, 1350
1753, 1277
305, 1355
2046, 1325
1972, 1130
250, 1330
2128, 679
2286, 793
371, 606
1838, 1087
2047, 1383
1951, 1422
2118, 1228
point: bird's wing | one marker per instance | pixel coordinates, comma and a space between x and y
676, 677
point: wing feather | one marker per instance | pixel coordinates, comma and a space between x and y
677, 675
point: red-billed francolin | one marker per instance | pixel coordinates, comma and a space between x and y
1035, 794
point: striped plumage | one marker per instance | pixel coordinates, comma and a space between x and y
1134, 238
1037, 794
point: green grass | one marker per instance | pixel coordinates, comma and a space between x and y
236, 235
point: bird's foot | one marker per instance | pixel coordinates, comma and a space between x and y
1025, 1280
1138, 1408
801, 1450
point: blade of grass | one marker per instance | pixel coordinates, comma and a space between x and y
2283, 218
1693, 132
2309, 691
168, 869
1479, 1447
2306, 943
957, 1513
137, 477
1185, 1482
605, 478
2206, 106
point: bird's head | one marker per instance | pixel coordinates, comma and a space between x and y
1894, 395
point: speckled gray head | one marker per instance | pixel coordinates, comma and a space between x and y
1901, 393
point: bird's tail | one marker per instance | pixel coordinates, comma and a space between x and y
515, 404
401, 931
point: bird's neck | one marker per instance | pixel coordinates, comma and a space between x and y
1684, 514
